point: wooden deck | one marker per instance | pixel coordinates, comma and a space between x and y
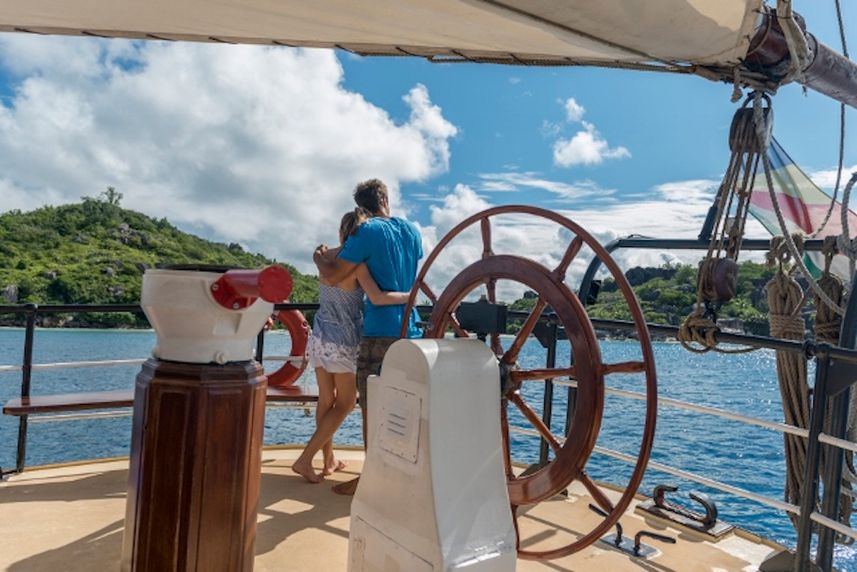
70, 518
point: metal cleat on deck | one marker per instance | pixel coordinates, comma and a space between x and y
701, 522
633, 547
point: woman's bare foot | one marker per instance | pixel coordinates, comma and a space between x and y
333, 465
306, 471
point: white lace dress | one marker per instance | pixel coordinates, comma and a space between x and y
336, 330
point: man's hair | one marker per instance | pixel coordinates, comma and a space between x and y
369, 195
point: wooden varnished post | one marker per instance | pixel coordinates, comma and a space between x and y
193, 484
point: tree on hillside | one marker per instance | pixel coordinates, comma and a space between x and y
111, 196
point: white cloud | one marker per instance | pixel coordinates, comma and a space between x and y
426, 197
826, 179
692, 191
246, 144
514, 80
514, 181
670, 210
550, 129
573, 110
586, 147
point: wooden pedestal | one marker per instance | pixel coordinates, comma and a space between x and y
196, 453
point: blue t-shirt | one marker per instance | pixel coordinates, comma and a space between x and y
391, 249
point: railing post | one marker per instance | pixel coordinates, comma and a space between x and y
571, 400
26, 374
809, 490
592, 269
832, 477
260, 346
547, 404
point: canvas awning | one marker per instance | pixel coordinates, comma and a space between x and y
529, 31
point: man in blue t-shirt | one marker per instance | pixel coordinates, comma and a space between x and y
391, 247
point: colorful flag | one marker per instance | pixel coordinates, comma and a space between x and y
803, 205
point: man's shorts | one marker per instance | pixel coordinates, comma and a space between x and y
369, 360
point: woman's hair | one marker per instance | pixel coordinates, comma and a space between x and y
351, 221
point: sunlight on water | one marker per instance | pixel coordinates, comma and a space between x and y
728, 451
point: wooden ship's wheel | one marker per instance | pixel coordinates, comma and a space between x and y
571, 453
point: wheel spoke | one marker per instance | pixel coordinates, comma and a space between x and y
507, 446
496, 346
569, 255
536, 421
539, 374
517, 530
427, 291
623, 367
491, 287
486, 238
456, 327
597, 494
511, 356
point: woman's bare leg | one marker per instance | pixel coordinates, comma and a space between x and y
330, 421
326, 395
345, 400
323, 406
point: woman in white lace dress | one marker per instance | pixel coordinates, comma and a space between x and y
333, 346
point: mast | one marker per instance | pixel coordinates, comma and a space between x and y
827, 72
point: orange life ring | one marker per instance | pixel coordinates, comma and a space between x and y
298, 328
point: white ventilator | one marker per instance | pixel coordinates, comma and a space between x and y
191, 326
432, 495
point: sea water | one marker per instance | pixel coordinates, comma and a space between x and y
744, 456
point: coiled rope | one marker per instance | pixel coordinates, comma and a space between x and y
785, 299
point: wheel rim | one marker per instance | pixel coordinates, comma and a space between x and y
589, 370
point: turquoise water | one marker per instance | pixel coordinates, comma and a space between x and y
734, 453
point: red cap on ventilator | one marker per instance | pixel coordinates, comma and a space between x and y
237, 289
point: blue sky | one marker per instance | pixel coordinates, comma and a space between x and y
675, 127
262, 145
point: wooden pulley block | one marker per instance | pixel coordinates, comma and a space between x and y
718, 279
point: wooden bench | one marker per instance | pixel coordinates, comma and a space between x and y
82, 401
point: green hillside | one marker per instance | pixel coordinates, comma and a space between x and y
668, 294
95, 252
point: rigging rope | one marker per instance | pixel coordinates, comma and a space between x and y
841, 129
799, 54
717, 276
845, 244
764, 139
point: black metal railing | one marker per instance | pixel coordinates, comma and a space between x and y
836, 371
